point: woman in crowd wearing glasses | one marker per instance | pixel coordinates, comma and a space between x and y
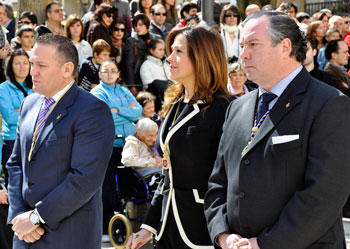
230, 19
75, 31
125, 111
194, 106
99, 27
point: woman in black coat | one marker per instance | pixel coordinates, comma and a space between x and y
194, 107
99, 27
135, 51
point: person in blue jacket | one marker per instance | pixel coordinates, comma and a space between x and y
12, 93
126, 111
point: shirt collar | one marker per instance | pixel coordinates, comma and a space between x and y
339, 67
279, 88
59, 94
7, 24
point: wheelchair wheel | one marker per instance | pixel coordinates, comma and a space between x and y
119, 231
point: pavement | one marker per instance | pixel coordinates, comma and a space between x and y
346, 223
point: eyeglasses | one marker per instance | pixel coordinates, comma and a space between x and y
160, 14
110, 72
346, 22
26, 22
109, 15
231, 15
118, 29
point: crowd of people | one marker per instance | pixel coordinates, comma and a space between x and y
167, 80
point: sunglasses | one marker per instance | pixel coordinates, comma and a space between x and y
346, 22
118, 29
109, 15
160, 14
231, 15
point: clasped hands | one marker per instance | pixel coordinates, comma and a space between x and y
25, 230
235, 241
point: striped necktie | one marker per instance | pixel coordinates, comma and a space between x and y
42, 114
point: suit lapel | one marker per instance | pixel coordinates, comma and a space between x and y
248, 112
187, 113
34, 112
291, 97
58, 114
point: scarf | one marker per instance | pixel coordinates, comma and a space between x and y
232, 47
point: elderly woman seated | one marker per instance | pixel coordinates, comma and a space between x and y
238, 82
139, 151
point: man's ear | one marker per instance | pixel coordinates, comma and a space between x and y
286, 47
68, 69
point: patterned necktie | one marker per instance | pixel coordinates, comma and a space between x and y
42, 114
263, 105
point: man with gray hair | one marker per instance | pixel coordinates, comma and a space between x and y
281, 177
336, 22
251, 8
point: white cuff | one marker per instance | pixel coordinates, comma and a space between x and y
41, 219
149, 228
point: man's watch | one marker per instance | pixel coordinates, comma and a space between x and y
34, 218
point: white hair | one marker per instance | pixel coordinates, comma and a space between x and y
146, 124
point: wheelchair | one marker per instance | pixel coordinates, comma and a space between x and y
132, 188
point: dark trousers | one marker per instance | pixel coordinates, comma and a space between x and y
109, 194
7, 148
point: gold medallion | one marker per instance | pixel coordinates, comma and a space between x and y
165, 163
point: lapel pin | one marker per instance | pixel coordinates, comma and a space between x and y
59, 116
287, 105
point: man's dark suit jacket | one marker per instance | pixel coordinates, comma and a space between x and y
64, 177
337, 77
153, 29
288, 195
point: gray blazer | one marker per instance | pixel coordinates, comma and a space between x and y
64, 177
288, 195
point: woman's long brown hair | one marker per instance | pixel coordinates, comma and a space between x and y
206, 52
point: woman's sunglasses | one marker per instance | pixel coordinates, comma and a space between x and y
109, 15
118, 29
231, 15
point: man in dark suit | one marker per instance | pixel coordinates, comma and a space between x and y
282, 183
64, 141
337, 54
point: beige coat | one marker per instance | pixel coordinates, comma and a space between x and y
136, 153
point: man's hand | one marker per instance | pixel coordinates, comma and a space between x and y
244, 243
227, 241
254, 243
34, 236
22, 225
3, 197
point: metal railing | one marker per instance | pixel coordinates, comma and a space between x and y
339, 7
